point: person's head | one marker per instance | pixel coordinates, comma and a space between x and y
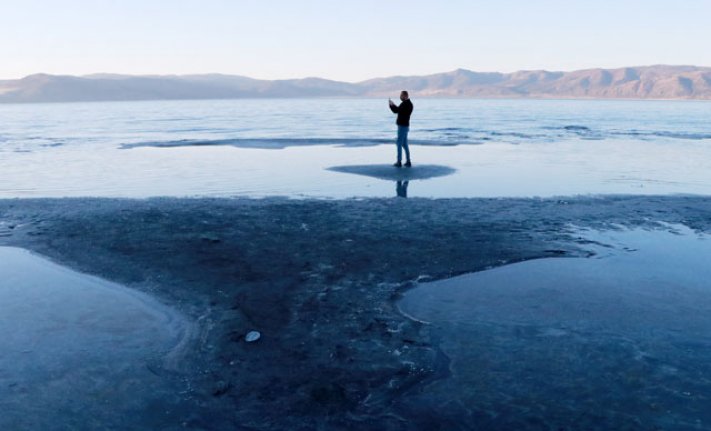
404, 96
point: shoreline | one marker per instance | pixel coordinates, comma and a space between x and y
318, 278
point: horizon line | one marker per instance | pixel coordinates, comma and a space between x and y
147, 75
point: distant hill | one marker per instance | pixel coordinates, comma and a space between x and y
648, 82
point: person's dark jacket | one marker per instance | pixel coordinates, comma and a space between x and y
403, 113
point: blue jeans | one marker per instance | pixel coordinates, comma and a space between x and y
402, 143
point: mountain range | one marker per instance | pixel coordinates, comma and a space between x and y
647, 82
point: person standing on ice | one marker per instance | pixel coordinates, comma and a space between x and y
403, 127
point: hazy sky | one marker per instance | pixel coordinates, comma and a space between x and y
346, 40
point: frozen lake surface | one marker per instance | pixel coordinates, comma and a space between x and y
618, 341
83, 352
259, 148
621, 338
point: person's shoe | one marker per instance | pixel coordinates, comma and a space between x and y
397, 164
408, 164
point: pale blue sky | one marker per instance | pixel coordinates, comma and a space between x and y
346, 40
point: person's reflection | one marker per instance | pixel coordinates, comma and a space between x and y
401, 189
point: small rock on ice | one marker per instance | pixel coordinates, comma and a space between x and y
252, 336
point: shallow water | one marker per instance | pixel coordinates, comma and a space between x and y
263, 148
621, 340
83, 352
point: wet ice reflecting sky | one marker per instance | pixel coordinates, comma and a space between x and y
70, 340
490, 170
624, 335
508, 148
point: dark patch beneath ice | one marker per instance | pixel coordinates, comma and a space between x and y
653, 134
577, 128
389, 172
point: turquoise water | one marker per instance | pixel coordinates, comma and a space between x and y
284, 147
